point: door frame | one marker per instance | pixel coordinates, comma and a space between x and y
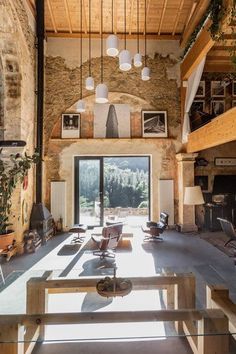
101, 186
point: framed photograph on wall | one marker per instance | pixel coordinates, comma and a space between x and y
154, 124
234, 88
201, 89
197, 106
111, 121
217, 89
70, 125
217, 107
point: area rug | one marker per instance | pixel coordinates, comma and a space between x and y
218, 240
69, 250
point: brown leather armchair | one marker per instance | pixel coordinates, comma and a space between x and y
154, 229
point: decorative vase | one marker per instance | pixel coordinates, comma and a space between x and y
6, 240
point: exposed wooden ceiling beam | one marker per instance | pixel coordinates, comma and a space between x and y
120, 36
220, 130
200, 48
162, 16
199, 11
215, 67
131, 16
52, 16
68, 15
177, 16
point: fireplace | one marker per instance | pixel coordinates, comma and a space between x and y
41, 220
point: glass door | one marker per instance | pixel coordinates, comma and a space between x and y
89, 191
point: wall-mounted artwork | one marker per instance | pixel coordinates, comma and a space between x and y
217, 107
154, 124
201, 89
217, 89
70, 126
197, 106
111, 121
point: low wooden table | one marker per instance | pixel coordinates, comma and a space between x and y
79, 229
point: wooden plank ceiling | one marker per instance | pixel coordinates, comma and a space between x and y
165, 18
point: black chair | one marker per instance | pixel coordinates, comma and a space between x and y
154, 229
228, 229
108, 240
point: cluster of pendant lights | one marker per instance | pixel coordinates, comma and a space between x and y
125, 60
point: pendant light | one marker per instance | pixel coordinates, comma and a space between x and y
125, 57
101, 89
145, 71
138, 56
80, 107
112, 40
89, 84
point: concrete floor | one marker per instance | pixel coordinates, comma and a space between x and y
178, 252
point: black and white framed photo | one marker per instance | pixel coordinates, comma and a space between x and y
154, 124
217, 107
217, 89
70, 125
197, 106
201, 89
234, 88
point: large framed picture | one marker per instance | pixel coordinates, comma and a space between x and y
154, 124
111, 121
70, 125
217, 89
217, 107
201, 89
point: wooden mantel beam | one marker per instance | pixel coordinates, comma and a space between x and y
219, 131
200, 48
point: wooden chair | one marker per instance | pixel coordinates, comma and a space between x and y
154, 229
228, 229
108, 240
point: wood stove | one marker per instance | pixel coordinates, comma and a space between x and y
42, 220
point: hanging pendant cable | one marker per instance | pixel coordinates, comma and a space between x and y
81, 49
125, 20
138, 25
89, 37
112, 23
101, 41
145, 36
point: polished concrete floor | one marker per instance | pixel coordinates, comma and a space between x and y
178, 252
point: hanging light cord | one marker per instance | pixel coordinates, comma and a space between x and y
138, 25
89, 37
112, 12
81, 50
145, 35
101, 41
125, 20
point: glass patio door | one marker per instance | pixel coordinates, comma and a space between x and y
89, 191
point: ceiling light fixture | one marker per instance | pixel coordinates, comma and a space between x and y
138, 56
145, 71
112, 40
125, 57
101, 89
89, 84
80, 107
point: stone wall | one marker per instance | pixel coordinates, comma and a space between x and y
63, 91
17, 86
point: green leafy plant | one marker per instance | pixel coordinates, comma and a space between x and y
12, 171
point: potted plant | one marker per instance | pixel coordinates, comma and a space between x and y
13, 169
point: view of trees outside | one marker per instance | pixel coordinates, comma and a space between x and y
126, 181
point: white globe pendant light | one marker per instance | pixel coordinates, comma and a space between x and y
80, 106
125, 62
112, 45
101, 92
137, 56
89, 83
145, 75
